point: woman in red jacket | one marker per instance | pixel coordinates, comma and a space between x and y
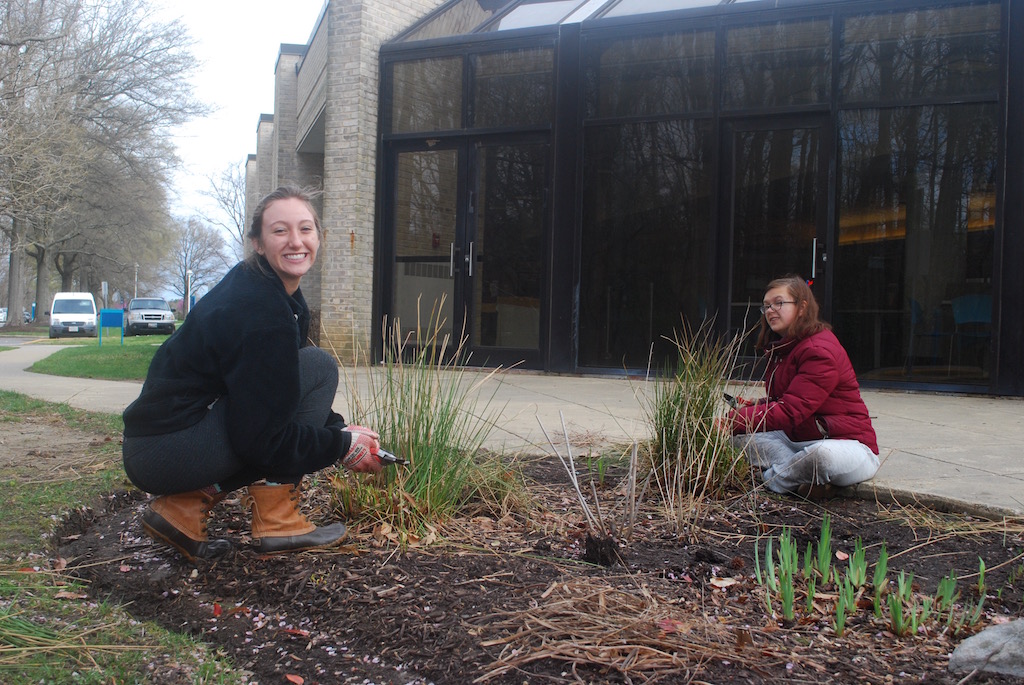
812, 430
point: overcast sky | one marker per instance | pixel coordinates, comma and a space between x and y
237, 42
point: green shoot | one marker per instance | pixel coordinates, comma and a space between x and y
879, 579
825, 549
858, 568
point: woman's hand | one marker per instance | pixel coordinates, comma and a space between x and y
362, 452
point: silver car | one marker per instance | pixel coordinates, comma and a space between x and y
148, 315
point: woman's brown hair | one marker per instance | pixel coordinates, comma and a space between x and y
806, 323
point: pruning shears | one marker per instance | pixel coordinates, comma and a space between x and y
389, 458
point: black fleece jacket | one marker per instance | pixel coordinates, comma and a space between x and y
241, 342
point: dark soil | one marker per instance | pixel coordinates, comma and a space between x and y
513, 601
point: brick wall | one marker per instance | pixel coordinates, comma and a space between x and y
356, 31
264, 158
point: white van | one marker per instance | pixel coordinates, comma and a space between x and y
73, 314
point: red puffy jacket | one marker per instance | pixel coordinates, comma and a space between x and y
812, 393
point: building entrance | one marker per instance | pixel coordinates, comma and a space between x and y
469, 235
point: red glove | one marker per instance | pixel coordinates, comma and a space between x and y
362, 451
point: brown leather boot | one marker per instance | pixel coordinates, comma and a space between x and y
278, 525
180, 521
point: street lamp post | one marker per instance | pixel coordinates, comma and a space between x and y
188, 291
136, 280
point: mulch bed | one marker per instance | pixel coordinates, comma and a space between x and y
510, 599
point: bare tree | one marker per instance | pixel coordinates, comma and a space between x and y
228, 191
84, 84
200, 250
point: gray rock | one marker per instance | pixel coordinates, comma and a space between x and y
997, 649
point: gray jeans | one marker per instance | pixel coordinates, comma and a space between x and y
201, 455
787, 464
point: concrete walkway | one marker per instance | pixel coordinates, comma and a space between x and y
951, 452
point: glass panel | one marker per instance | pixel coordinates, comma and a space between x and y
785, 63
425, 212
586, 11
426, 95
630, 7
462, 17
935, 52
509, 245
645, 252
775, 205
535, 13
913, 282
513, 87
666, 74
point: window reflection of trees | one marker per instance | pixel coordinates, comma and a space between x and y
923, 53
510, 229
665, 74
513, 87
426, 202
785, 63
427, 95
645, 244
916, 200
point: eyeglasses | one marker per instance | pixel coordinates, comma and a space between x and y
775, 306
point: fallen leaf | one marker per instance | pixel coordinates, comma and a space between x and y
64, 594
842, 556
295, 631
217, 611
125, 568
292, 678
60, 563
722, 583
671, 625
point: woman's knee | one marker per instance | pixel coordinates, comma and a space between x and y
318, 364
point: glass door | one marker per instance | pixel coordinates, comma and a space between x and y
506, 243
469, 234
426, 228
778, 178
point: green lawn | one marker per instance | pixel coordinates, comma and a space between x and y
111, 361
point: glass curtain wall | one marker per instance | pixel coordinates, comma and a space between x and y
904, 255
856, 143
916, 195
647, 240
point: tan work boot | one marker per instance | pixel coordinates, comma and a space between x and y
278, 525
180, 521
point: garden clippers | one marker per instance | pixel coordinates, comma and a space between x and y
388, 458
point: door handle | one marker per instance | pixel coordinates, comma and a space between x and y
451, 260
469, 259
814, 259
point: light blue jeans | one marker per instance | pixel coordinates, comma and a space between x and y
787, 464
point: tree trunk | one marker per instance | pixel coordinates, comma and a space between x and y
15, 278
43, 294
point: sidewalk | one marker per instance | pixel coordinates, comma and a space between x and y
951, 452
